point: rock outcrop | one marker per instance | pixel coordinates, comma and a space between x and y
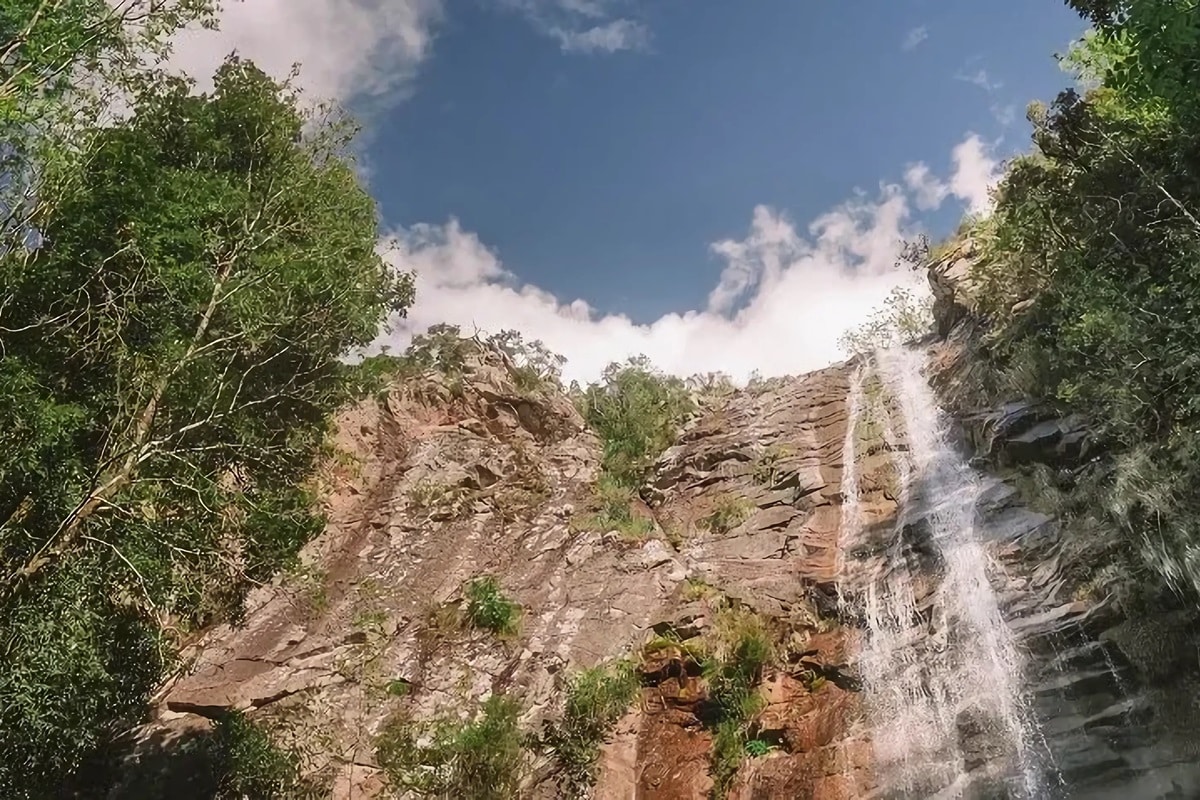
1112, 688
438, 482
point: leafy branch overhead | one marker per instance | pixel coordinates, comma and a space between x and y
176, 294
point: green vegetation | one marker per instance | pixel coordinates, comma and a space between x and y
177, 289
242, 762
596, 699
489, 609
903, 317
733, 671
615, 510
756, 748
728, 512
1088, 275
637, 411
766, 466
444, 349
235, 759
483, 758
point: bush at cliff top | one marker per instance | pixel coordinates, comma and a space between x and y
637, 411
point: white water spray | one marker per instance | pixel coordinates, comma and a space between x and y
941, 670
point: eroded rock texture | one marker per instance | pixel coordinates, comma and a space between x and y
440, 482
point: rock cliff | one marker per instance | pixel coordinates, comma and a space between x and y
437, 484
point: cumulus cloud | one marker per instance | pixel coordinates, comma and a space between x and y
975, 172
583, 26
913, 39
784, 297
347, 49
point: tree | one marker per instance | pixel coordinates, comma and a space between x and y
904, 316
1151, 50
1100, 227
63, 63
169, 365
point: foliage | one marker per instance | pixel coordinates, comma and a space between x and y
1089, 275
532, 365
488, 608
709, 388
615, 510
904, 316
596, 699
444, 349
766, 467
243, 762
1146, 50
729, 511
733, 672
447, 758
168, 371
756, 748
234, 760
637, 412
63, 64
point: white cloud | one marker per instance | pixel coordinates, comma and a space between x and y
1004, 113
784, 298
583, 26
927, 189
975, 173
982, 79
346, 48
913, 39
620, 34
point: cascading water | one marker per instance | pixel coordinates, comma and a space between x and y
942, 674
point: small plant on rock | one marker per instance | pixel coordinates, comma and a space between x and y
596, 699
743, 650
482, 759
614, 503
756, 748
729, 512
488, 608
766, 466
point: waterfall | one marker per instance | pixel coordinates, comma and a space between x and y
941, 671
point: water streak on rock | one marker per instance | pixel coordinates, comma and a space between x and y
942, 671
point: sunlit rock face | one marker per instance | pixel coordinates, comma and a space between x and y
937, 631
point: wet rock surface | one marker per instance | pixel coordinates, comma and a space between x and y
1113, 684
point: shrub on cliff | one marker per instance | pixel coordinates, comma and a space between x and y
482, 759
637, 411
596, 699
173, 317
1089, 274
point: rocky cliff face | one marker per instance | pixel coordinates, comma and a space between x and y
436, 485
789, 506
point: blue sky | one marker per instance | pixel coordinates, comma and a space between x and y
590, 171
583, 169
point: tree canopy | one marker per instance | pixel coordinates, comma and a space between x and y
1090, 272
174, 303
